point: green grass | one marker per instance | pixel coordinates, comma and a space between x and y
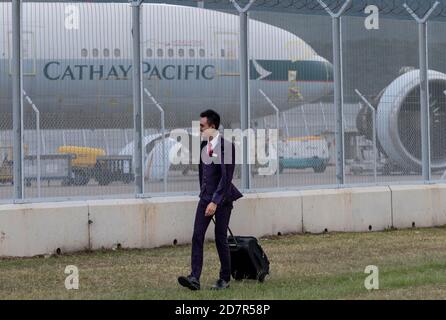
412, 265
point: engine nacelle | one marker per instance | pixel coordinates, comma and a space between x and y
398, 120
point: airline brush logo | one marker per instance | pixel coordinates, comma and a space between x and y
261, 71
279, 70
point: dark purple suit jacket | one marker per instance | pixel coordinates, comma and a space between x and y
216, 177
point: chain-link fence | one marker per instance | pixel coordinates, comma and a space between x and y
6, 172
78, 121
373, 60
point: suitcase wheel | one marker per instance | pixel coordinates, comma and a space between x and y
237, 276
261, 277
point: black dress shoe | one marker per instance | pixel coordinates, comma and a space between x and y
189, 282
220, 284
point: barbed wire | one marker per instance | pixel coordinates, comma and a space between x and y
387, 8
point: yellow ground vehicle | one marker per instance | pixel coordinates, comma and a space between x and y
83, 163
6, 165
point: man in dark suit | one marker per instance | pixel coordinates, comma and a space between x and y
217, 194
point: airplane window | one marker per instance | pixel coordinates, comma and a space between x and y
181, 52
202, 53
170, 52
191, 52
106, 52
222, 53
117, 52
159, 52
84, 53
95, 52
149, 52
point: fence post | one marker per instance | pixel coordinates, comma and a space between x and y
277, 111
307, 129
244, 92
37, 112
424, 90
338, 87
138, 154
285, 123
163, 135
375, 149
17, 99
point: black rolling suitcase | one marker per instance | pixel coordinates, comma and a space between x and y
248, 260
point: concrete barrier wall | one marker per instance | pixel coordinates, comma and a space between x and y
34, 229
170, 219
148, 223
114, 222
347, 210
267, 214
419, 206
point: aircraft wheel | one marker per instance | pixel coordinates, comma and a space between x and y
320, 169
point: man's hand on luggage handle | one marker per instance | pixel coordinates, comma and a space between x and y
210, 210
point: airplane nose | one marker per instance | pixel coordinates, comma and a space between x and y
327, 66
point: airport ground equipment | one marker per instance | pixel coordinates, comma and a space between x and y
52, 167
304, 152
7, 164
6, 171
385, 167
113, 168
83, 163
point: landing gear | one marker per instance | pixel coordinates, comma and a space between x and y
319, 169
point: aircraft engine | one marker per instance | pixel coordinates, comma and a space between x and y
398, 120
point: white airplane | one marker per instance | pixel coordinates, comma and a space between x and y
78, 64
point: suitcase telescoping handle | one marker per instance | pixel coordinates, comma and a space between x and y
229, 229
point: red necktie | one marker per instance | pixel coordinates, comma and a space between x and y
209, 149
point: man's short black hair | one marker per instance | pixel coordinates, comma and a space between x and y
213, 117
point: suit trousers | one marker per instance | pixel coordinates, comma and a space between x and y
222, 216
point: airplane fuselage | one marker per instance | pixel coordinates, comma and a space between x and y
82, 77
